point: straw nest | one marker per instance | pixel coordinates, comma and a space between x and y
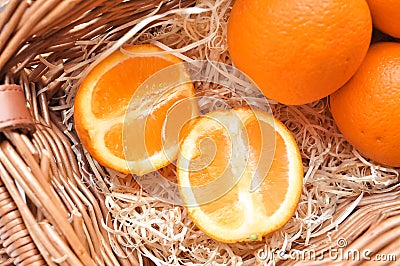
348, 202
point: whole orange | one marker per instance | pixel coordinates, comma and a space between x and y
298, 51
367, 108
386, 16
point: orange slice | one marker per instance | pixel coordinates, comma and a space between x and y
122, 106
240, 174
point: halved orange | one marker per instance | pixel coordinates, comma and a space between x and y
240, 174
122, 105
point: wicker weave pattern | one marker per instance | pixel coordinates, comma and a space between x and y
66, 215
14, 236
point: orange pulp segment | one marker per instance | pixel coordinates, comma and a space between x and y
126, 97
240, 174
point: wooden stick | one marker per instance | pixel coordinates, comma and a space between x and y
61, 148
98, 213
45, 165
30, 18
37, 236
50, 208
33, 98
376, 242
34, 7
379, 235
72, 191
30, 147
124, 259
78, 224
392, 249
8, 11
59, 244
44, 106
377, 198
66, 20
55, 14
9, 28
43, 144
59, 167
87, 194
35, 168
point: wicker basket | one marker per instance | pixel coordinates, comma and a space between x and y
62, 216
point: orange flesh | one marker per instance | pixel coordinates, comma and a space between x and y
156, 129
116, 87
253, 183
113, 140
157, 122
118, 84
214, 166
210, 162
122, 107
275, 186
227, 210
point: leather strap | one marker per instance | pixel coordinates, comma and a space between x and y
13, 111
